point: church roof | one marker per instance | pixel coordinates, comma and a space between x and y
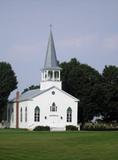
29, 95
36, 92
51, 59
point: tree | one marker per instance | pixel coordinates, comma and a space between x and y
81, 81
110, 85
110, 75
8, 83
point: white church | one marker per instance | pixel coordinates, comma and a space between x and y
47, 106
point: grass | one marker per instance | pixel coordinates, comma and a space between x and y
27, 145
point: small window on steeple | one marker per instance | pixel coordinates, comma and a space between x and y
50, 74
56, 74
45, 75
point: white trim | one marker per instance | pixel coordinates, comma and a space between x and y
60, 91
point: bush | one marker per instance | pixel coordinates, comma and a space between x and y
71, 128
41, 128
92, 126
99, 127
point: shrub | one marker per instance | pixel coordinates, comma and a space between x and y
71, 128
94, 126
41, 128
99, 127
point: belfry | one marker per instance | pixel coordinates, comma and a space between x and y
50, 74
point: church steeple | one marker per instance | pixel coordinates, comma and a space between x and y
51, 71
51, 59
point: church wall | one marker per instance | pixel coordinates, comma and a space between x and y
11, 115
62, 102
47, 84
47, 117
23, 123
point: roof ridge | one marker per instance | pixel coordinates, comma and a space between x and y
30, 96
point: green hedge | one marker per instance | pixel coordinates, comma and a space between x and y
41, 128
71, 128
100, 127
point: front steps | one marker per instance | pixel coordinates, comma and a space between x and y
57, 128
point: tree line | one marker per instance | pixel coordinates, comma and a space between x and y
97, 92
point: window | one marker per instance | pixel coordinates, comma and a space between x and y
37, 114
50, 73
53, 108
21, 115
53, 92
12, 114
25, 114
69, 115
56, 74
9, 114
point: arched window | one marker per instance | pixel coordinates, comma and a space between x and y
69, 115
21, 115
25, 114
12, 114
53, 108
9, 115
37, 114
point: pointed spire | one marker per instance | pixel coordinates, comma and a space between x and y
51, 59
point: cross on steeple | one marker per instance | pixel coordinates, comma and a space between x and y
50, 27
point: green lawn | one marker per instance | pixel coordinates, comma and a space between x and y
27, 145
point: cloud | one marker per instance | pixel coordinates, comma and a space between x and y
24, 52
70, 43
91, 43
19, 50
111, 42
77, 42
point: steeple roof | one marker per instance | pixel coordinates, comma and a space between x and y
51, 59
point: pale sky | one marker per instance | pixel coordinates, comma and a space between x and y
84, 29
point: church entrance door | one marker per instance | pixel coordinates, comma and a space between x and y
54, 121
